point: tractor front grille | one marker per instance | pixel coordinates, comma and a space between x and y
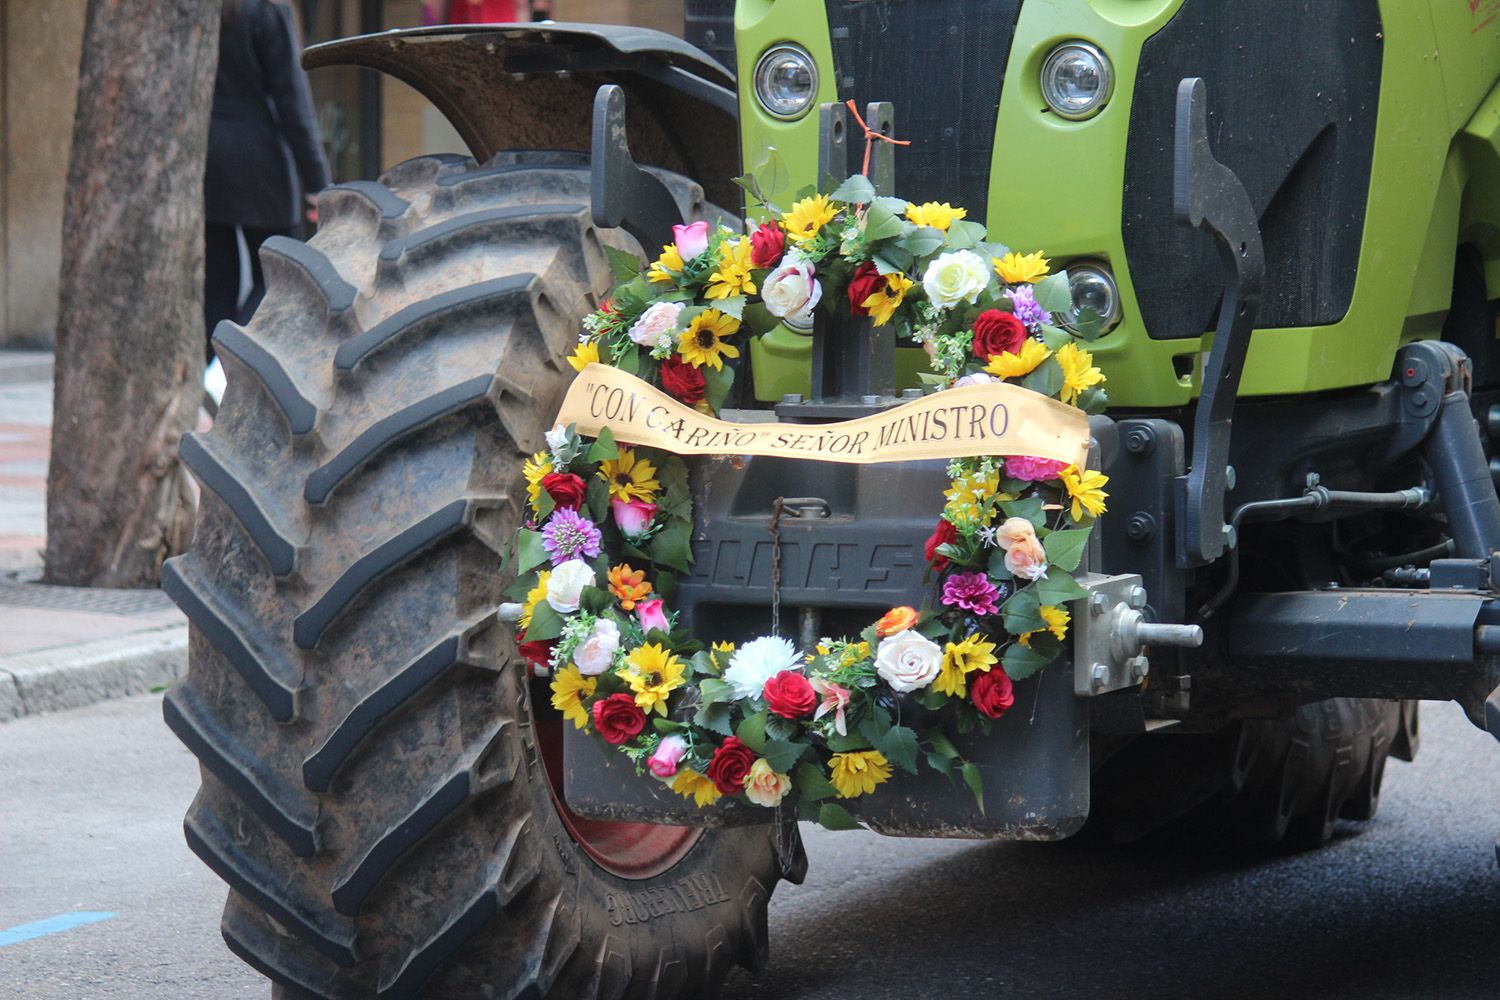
941, 63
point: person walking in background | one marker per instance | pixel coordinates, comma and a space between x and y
264, 152
484, 11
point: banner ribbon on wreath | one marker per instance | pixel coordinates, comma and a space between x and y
989, 419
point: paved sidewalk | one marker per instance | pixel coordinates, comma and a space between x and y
62, 647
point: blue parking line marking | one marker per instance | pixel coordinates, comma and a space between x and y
52, 925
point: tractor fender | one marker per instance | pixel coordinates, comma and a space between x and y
532, 86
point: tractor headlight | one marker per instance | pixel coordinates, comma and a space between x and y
1076, 80
1094, 287
786, 81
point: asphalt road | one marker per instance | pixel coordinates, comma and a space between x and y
1407, 906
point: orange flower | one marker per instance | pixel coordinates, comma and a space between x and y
896, 620
628, 585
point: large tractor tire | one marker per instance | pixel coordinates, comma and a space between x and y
1258, 783
379, 774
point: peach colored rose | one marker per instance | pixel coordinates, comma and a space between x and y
1024, 555
764, 786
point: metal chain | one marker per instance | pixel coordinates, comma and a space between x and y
776, 566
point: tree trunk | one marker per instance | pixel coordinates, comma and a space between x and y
130, 339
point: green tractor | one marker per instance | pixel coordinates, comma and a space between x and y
1287, 218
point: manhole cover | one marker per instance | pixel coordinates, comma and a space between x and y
97, 600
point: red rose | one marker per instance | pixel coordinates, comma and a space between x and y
997, 332
618, 719
566, 489
867, 281
941, 535
682, 380
767, 245
538, 655
790, 696
992, 693
730, 766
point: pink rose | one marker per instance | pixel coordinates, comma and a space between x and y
669, 751
1033, 469
691, 239
1024, 555
652, 616
655, 324
632, 517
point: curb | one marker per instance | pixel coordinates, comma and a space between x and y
52, 680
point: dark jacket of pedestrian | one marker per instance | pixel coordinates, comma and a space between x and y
263, 145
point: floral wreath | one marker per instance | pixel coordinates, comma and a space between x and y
609, 526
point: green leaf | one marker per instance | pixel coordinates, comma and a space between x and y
833, 816
530, 552
1022, 613
1059, 589
939, 763
670, 546
881, 223
892, 259
1088, 323
1020, 662
596, 496
782, 754
629, 361
1053, 294
603, 449
676, 494
1054, 337
666, 587
668, 725
997, 568
734, 306
759, 319
624, 266
922, 241
714, 718
1093, 401
545, 505
713, 691
857, 190
963, 235
716, 385
942, 744
845, 744
1046, 378
1065, 548
594, 601
1029, 508
899, 745
975, 781
545, 624
752, 732
811, 784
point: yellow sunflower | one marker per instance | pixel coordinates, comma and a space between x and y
883, 304
534, 596
1086, 489
653, 673
1079, 372
629, 478
534, 468
692, 785
807, 217
569, 688
1057, 620
668, 267
933, 214
857, 773
1010, 365
1016, 269
584, 355
733, 274
703, 343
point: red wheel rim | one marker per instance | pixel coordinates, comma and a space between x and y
629, 850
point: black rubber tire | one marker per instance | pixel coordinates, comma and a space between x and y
1256, 784
372, 790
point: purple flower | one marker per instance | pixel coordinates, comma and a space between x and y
972, 592
1026, 309
568, 535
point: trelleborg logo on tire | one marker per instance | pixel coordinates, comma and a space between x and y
683, 896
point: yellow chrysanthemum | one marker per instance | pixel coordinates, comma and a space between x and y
883, 304
1015, 268
653, 673
1078, 369
934, 215
692, 785
733, 274
569, 688
1086, 489
534, 596
1057, 620
857, 773
668, 267
534, 468
703, 343
807, 217
1010, 365
584, 355
961, 659
629, 478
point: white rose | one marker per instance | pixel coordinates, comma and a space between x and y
565, 585
908, 660
791, 292
976, 378
954, 277
656, 323
594, 655
756, 662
